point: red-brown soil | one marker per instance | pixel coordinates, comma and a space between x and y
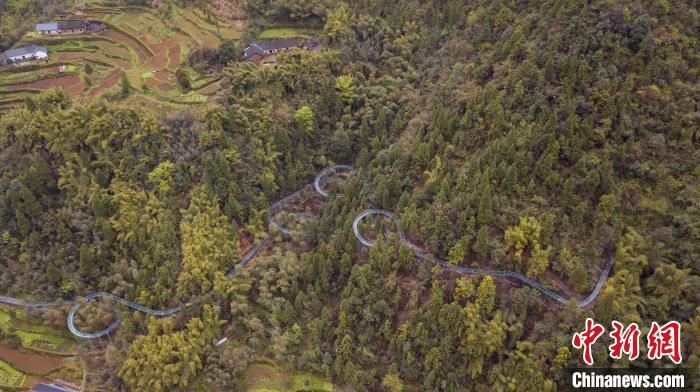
107, 82
166, 86
152, 82
64, 56
30, 363
161, 76
209, 90
68, 81
146, 39
158, 61
165, 54
117, 36
76, 89
160, 48
266, 374
174, 56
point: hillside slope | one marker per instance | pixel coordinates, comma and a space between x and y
543, 137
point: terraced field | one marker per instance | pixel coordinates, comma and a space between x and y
144, 47
36, 338
41, 351
267, 377
10, 377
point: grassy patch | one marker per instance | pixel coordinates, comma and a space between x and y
287, 33
116, 18
45, 342
193, 97
134, 77
68, 42
203, 82
266, 377
9, 79
12, 98
10, 377
148, 25
196, 32
67, 46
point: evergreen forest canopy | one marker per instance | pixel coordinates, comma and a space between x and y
543, 137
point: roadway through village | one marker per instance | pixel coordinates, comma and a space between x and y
273, 210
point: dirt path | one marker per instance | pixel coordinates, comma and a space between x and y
30, 363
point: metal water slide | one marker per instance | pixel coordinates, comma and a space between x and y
516, 276
75, 305
274, 209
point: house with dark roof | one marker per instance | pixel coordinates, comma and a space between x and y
49, 388
256, 51
26, 53
63, 27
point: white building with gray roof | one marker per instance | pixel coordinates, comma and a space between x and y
26, 53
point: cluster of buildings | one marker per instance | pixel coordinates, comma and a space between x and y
257, 51
69, 27
39, 53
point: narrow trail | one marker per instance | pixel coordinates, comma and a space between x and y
274, 208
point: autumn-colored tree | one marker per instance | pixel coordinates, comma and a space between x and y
209, 244
166, 358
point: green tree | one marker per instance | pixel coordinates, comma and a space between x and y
485, 207
345, 86
228, 51
464, 289
162, 177
561, 359
392, 381
481, 246
183, 79
305, 120
486, 295
337, 27
124, 85
458, 252
538, 262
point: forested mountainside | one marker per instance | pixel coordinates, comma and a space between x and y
543, 137
17, 17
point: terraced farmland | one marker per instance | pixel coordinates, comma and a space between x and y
144, 47
36, 338
10, 377
265, 376
41, 351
